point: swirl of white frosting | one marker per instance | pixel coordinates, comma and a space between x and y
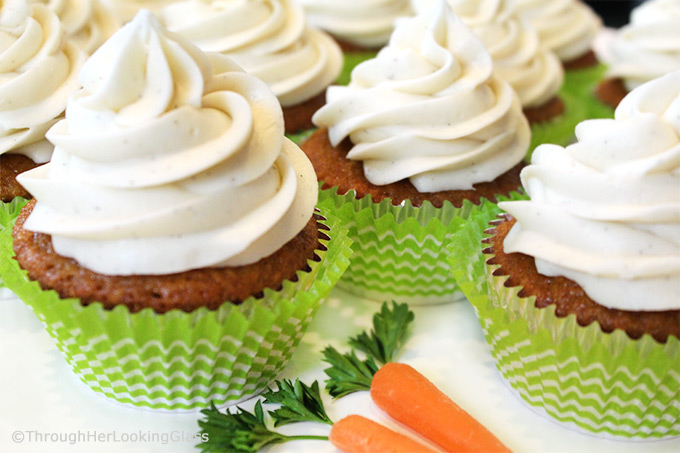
605, 212
366, 23
567, 27
267, 38
125, 10
429, 109
168, 160
648, 47
87, 23
39, 70
533, 71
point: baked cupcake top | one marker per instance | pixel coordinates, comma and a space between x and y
364, 23
87, 23
168, 160
605, 212
39, 70
532, 70
648, 47
567, 27
267, 38
428, 108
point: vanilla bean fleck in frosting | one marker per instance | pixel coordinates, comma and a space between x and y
567, 27
533, 71
428, 108
605, 212
267, 38
648, 47
39, 70
168, 160
364, 23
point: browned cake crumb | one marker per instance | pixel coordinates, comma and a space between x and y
299, 117
209, 287
334, 169
10, 166
551, 109
569, 297
611, 91
347, 46
587, 60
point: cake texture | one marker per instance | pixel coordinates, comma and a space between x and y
182, 206
577, 291
425, 122
269, 39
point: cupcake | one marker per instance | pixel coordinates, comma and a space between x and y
87, 23
39, 71
645, 49
361, 27
567, 27
577, 292
270, 40
422, 134
532, 70
172, 248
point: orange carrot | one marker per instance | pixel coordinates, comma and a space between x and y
410, 398
357, 434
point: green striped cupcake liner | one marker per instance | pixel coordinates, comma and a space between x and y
179, 360
399, 252
601, 383
9, 212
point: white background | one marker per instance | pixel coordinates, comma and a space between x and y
39, 393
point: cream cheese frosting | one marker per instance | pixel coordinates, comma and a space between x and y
567, 27
365, 23
168, 160
87, 23
267, 38
39, 70
428, 108
605, 212
125, 10
648, 47
533, 71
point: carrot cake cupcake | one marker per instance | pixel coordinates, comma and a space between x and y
39, 69
567, 27
174, 227
423, 133
645, 49
578, 290
270, 40
357, 24
532, 70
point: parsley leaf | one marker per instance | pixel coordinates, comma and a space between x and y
347, 373
388, 333
240, 431
299, 403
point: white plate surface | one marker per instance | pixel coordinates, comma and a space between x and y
43, 407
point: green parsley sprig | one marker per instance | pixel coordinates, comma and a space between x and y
240, 431
347, 373
299, 403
